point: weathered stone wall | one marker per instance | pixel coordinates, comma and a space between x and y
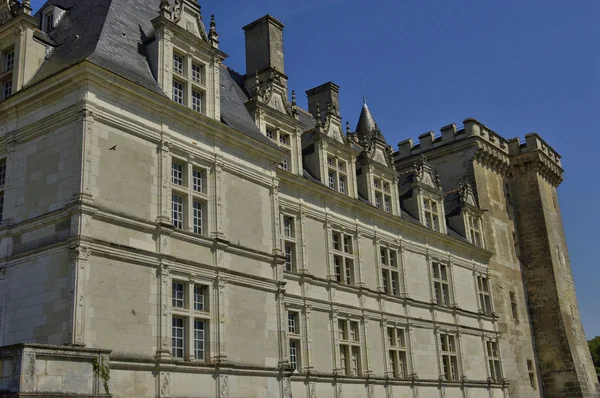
565, 364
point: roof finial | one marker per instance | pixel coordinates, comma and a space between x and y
213, 36
347, 127
318, 115
165, 9
294, 97
362, 82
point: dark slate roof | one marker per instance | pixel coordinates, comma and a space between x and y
367, 127
112, 34
452, 203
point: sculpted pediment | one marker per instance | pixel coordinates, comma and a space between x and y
186, 14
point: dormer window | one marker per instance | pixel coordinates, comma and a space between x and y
336, 174
474, 230
48, 21
9, 61
383, 199
431, 213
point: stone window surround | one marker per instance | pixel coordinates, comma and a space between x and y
398, 269
190, 84
340, 175
449, 281
474, 233
275, 134
190, 195
494, 361
343, 255
353, 346
400, 351
291, 241
380, 193
296, 337
189, 314
482, 294
451, 357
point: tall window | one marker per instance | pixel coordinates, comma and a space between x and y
397, 364
178, 92
189, 202
197, 73
513, 305
531, 372
449, 357
190, 320
485, 299
337, 174
2, 187
9, 61
349, 344
383, 198
388, 260
178, 64
197, 101
295, 338
283, 140
474, 231
441, 285
343, 257
494, 360
431, 213
289, 243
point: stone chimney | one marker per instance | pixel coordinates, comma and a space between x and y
323, 95
264, 46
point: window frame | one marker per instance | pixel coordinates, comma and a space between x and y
484, 294
449, 356
397, 353
382, 194
350, 360
492, 349
289, 242
390, 274
343, 257
440, 296
295, 338
185, 179
190, 316
432, 214
337, 174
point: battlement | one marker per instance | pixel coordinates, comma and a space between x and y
449, 134
533, 142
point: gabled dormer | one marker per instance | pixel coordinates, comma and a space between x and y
375, 173
463, 214
185, 58
327, 153
266, 83
21, 51
421, 195
50, 17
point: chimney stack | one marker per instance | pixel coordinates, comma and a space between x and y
323, 95
264, 46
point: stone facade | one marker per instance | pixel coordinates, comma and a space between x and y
173, 229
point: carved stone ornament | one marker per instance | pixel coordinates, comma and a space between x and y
177, 10
371, 391
224, 388
340, 392
79, 252
165, 384
313, 390
287, 389
8, 10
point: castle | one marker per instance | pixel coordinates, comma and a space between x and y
171, 228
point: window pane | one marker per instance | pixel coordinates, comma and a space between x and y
199, 295
197, 101
177, 337
199, 339
197, 216
177, 211
178, 295
177, 92
197, 73
177, 64
294, 354
2, 174
198, 181
177, 173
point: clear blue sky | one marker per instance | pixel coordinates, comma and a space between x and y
517, 66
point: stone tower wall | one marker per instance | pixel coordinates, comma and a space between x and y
566, 369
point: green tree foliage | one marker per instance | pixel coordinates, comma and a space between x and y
594, 345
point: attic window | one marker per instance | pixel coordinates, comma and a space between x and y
48, 21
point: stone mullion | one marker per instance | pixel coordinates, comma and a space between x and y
216, 85
298, 155
164, 292
475, 275
78, 256
164, 177
486, 356
220, 309
365, 322
323, 163
308, 363
450, 267
336, 343
284, 360
301, 244
386, 346
357, 258
352, 171
402, 265
329, 246
377, 261
436, 336
429, 262
217, 213
460, 355
410, 338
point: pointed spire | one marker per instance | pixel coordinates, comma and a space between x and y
213, 36
367, 127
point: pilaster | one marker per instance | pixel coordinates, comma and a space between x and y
368, 369
220, 293
78, 258
164, 310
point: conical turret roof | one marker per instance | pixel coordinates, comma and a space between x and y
367, 127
